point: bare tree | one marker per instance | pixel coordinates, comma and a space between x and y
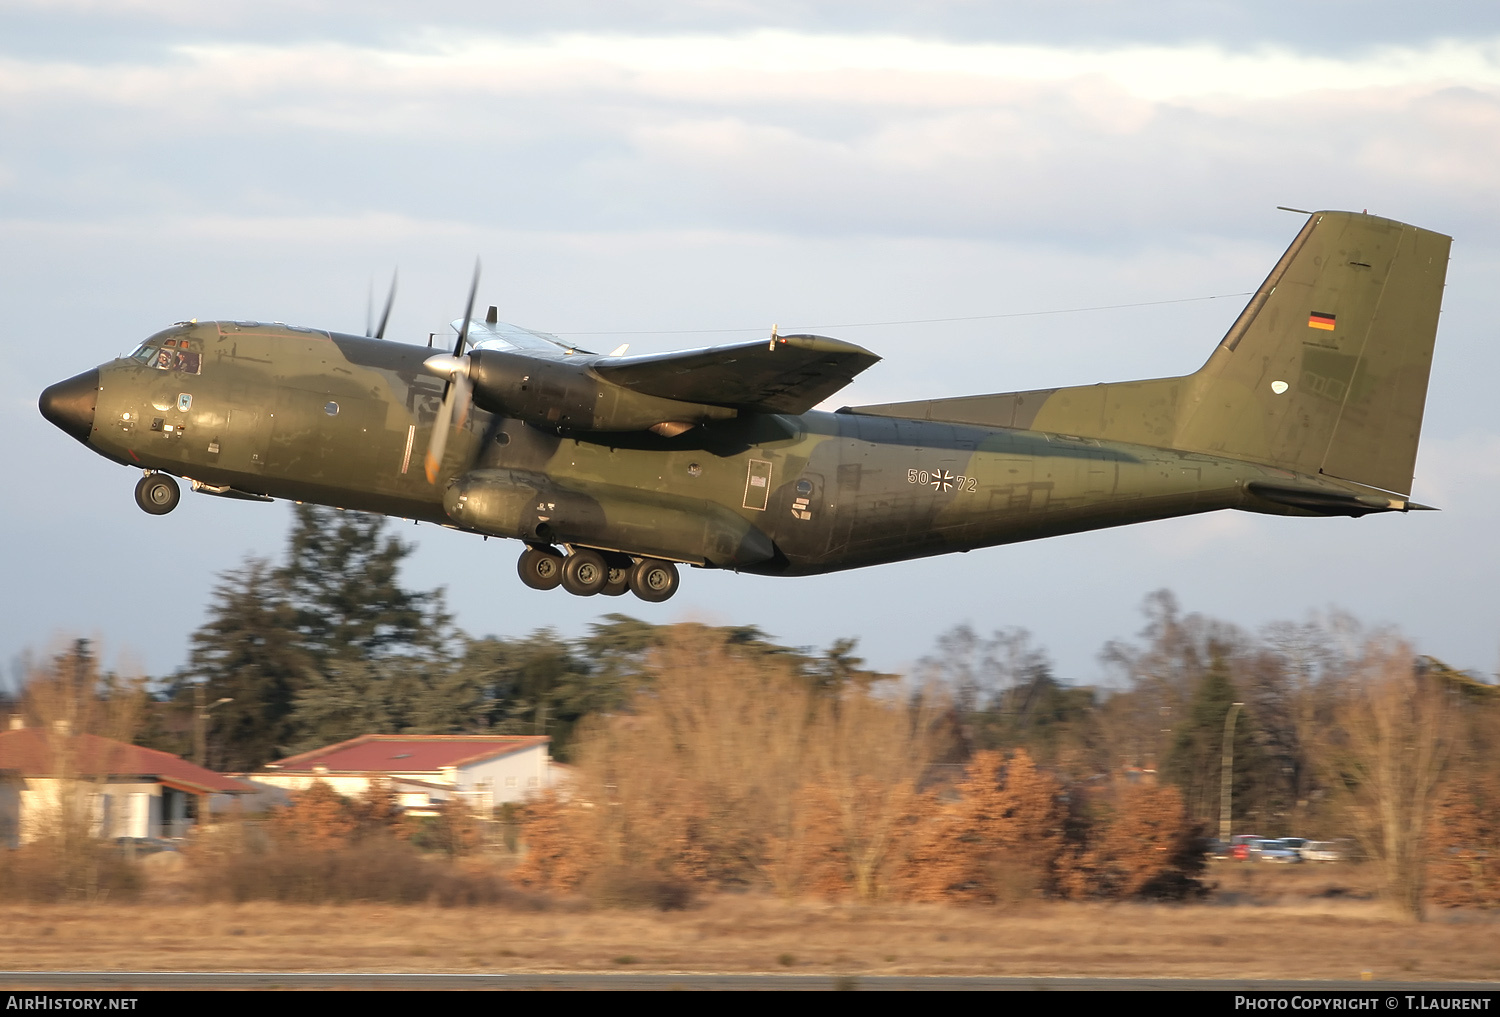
1390, 742
83, 721
868, 757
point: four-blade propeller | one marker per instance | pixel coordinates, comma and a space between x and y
456, 393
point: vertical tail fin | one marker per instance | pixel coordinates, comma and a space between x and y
1325, 371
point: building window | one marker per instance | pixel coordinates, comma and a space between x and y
532, 782
510, 782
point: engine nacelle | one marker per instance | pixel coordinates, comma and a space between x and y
527, 505
570, 396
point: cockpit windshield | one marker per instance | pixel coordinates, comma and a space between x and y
170, 357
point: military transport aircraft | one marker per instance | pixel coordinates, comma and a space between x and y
613, 470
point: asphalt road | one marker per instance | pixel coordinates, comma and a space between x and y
96, 981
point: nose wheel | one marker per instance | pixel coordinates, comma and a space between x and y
157, 493
586, 572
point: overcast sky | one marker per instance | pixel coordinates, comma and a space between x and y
673, 170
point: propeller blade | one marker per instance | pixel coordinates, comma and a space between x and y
370, 309
463, 333
462, 395
433, 461
455, 392
386, 314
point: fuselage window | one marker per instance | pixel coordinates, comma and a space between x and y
185, 361
331, 408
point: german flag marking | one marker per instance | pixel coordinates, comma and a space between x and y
1320, 319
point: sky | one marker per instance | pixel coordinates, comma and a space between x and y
678, 174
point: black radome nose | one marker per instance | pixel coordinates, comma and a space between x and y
70, 404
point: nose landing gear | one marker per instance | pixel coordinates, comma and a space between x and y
157, 493
586, 572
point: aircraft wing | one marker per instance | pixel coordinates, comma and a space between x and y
501, 335
795, 375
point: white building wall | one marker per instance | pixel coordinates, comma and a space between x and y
348, 786
113, 810
509, 778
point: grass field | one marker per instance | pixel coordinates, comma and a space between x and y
1300, 922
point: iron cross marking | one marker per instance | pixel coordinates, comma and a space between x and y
942, 480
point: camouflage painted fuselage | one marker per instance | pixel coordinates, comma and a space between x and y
343, 420
1311, 405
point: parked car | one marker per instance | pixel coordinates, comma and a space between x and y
1325, 851
1296, 844
1276, 851
1241, 845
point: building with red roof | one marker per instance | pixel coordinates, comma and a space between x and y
423, 770
128, 790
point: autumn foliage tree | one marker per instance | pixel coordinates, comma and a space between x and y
1464, 860
319, 818
999, 837
1140, 843
730, 770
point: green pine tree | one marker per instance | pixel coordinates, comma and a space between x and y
1194, 762
341, 579
248, 652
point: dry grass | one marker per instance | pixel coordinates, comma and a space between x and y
1308, 922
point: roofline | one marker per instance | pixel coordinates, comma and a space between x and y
514, 743
141, 754
188, 787
165, 780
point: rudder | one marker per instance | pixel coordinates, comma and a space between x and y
1326, 369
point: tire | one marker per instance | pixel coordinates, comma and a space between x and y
619, 574
541, 568
654, 580
584, 573
619, 582
157, 494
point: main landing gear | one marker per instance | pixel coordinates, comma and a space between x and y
586, 572
157, 493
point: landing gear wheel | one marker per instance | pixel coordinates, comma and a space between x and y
619, 574
584, 573
541, 568
157, 493
653, 580
619, 583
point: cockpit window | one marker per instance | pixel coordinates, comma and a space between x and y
169, 359
143, 354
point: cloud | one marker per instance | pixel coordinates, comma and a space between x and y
802, 134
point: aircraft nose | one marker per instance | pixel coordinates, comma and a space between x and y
70, 404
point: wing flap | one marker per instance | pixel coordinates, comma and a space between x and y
792, 376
